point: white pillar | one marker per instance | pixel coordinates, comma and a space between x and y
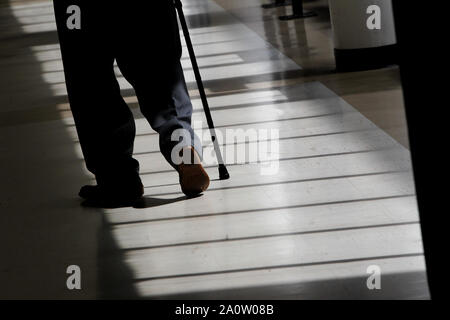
355, 25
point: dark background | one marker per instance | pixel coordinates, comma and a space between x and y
421, 32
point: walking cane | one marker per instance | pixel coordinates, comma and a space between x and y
223, 172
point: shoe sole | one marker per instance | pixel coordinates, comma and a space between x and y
193, 179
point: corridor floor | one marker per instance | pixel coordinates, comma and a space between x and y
342, 198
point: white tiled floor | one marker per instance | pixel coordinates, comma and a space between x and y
342, 199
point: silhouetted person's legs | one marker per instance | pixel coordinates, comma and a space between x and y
104, 122
143, 38
150, 61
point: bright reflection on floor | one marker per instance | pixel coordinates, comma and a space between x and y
343, 199
35, 18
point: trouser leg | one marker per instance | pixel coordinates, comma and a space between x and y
104, 123
149, 58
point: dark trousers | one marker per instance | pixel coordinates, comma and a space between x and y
143, 38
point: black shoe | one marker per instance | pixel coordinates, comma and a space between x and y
87, 192
111, 197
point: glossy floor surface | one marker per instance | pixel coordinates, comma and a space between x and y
332, 195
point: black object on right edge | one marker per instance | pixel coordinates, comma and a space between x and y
223, 172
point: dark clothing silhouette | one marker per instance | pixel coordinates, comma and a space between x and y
143, 38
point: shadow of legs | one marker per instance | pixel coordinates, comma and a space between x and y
150, 202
